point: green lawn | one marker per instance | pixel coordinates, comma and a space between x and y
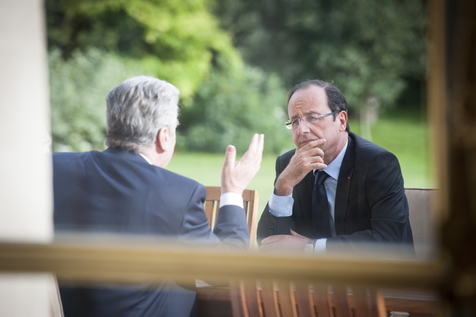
206, 168
403, 133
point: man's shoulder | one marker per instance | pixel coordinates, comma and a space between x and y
367, 152
364, 145
126, 161
70, 156
179, 179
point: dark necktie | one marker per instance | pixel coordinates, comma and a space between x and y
321, 217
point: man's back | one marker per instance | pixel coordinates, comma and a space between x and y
119, 192
127, 190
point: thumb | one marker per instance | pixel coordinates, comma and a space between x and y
295, 234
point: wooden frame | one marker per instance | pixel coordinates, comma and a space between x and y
451, 272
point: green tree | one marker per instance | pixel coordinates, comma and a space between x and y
94, 45
78, 89
370, 49
229, 109
174, 40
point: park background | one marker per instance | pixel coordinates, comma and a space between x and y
234, 62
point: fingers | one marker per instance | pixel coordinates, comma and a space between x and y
272, 239
260, 144
309, 157
313, 144
306, 159
237, 175
294, 233
255, 149
294, 241
272, 243
312, 151
230, 156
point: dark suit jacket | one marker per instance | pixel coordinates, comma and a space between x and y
370, 205
118, 191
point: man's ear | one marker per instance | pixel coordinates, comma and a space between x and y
343, 118
162, 140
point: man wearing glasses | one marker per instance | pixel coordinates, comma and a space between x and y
335, 190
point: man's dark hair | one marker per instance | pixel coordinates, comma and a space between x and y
335, 98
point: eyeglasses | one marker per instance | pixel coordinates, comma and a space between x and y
311, 119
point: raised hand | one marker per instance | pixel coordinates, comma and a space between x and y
236, 176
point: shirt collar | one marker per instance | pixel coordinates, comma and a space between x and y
146, 158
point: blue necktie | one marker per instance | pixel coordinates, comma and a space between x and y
321, 217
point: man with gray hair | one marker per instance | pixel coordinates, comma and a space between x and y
126, 189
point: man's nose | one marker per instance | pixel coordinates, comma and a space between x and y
303, 127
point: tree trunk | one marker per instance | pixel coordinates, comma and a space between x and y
368, 116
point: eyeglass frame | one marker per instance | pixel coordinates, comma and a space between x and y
289, 123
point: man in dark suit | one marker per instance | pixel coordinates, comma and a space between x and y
365, 200
126, 189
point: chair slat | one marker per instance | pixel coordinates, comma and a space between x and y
269, 300
286, 300
303, 300
250, 205
320, 300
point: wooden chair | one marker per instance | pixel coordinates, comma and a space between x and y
283, 299
250, 204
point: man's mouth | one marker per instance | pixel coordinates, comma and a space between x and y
303, 142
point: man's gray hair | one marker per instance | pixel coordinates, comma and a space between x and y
137, 109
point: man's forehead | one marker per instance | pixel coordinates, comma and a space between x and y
311, 99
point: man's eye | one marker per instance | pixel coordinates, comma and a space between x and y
295, 122
312, 119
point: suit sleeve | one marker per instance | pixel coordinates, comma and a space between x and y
268, 224
230, 231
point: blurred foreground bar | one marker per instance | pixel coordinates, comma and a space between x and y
93, 259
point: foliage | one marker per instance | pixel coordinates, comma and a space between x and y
175, 40
368, 48
224, 102
229, 109
383, 44
78, 89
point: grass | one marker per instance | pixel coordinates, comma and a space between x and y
206, 169
404, 133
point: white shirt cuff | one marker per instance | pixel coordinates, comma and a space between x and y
231, 199
320, 245
281, 206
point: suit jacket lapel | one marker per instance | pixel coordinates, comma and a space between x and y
343, 187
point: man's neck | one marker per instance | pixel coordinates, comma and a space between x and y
338, 149
152, 157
